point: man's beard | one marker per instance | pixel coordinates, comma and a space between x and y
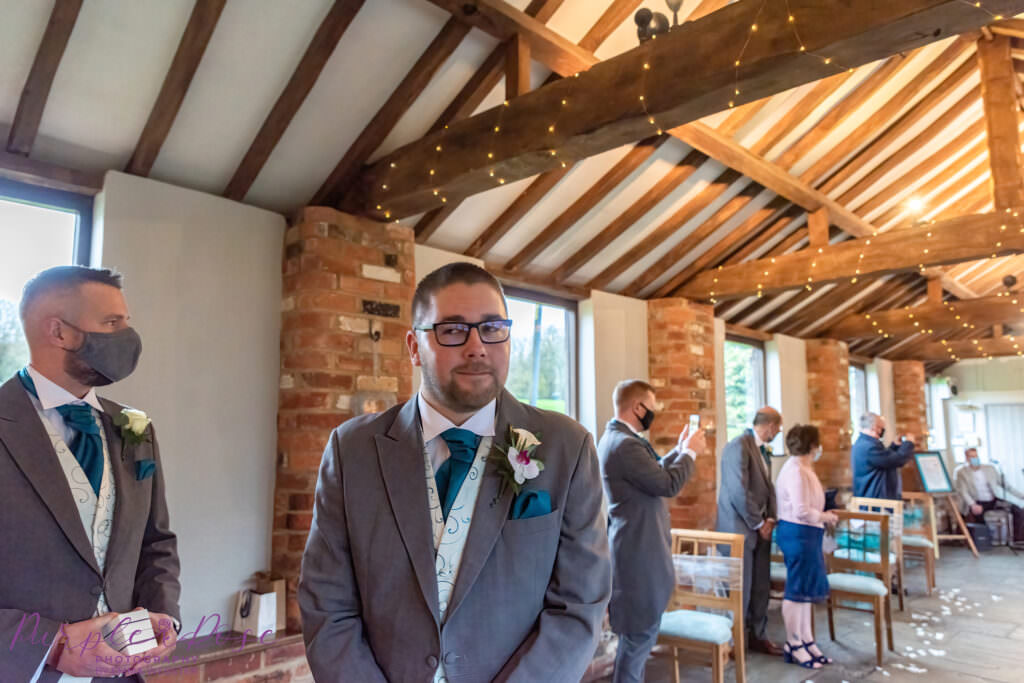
77, 370
458, 399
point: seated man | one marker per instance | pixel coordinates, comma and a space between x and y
981, 489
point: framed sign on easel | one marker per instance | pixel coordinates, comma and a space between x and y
935, 481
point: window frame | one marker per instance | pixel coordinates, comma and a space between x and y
59, 200
855, 421
569, 305
759, 345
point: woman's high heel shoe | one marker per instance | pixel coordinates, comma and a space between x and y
787, 656
818, 658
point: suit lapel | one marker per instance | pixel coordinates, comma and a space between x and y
759, 456
490, 511
122, 468
22, 432
400, 453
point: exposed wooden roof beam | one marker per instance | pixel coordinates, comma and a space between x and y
194, 40
952, 241
42, 174
503, 21
380, 126
479, 85
944, 317
1013, 28
999, 87
321, 47
964, 348
522, 204
40, 77
587, 201
690, 77
665, 186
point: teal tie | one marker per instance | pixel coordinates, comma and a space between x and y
767, 458
462, 445
87, 444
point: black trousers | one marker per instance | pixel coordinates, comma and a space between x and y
1016, 513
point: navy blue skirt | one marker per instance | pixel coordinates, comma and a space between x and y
806, 576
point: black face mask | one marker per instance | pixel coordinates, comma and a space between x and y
647, 418
881, 434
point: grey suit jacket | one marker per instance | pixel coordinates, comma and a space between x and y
47, 565
530, 595
747, 494
639, 528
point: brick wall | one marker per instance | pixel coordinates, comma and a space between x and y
682, 369
344, 278
278, 663
828, 389
908, 384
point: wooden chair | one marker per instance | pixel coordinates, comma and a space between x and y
893, 508
697, 569
920, 540
863, 573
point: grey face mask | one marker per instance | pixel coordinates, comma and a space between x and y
113, 355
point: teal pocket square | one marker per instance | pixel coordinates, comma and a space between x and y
144, 469
531, 504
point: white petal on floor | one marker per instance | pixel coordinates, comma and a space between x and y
916, 669
937, 653
940, 636
996, 598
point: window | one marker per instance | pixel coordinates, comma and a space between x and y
38, 229
936, 392
542, 371
744, 383
858, 395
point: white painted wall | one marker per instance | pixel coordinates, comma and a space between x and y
786, 386
612, 347
203, 283
881, 399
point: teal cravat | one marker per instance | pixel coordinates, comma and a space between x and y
767, 458
87, 444
462, 445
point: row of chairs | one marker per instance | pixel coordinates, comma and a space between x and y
873, 538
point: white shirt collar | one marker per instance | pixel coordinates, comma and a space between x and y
757, 439
480, 423
52, 395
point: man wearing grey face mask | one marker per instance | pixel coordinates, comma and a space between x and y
82, 508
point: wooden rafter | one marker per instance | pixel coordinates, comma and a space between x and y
522, 204
321, 47
943, 317
952, 241
40, 78
43, 174
689, 78
484, 80
1000, 86
965, 348
517, 67
376, 131
198, 31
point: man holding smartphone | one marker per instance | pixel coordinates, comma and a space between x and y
636, 482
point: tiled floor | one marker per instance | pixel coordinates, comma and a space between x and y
977, 643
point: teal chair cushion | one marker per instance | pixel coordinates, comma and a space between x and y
855, 583
690, 625
778, 571
915, 541
857, 555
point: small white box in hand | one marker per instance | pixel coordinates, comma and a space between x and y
255, 612
131, 633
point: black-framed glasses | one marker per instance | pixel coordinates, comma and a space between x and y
457, 334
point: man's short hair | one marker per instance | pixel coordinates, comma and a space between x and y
629, 390
968, 450
460, 272
767, 416
867, 420
64, 279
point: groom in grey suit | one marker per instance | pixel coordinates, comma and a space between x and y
85, 533
746, 505
394, 587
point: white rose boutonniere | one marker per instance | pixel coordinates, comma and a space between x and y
134, 424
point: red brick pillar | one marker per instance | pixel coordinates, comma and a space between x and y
680, 337
345, 278
828, 385
909, 385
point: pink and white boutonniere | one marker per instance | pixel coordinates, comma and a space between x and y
516, 461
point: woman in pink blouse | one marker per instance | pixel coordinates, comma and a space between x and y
801, 505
